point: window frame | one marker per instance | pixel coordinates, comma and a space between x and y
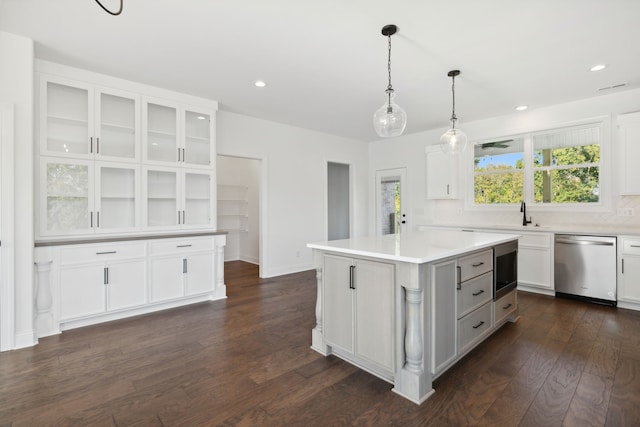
605, 171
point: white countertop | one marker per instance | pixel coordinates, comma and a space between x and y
415, 247
590, 230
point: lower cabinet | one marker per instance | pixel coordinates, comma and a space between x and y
358, 300
504, 307
629, 272
535, 260
444, 321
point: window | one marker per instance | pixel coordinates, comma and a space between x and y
559, 167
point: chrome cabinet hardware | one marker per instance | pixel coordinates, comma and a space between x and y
184, 265
352, 273
105, 252
183, 246
106, 275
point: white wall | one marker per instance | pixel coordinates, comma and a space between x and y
16, 87
409, 151
294, 164
243, 172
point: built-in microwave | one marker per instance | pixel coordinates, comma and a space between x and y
505, 268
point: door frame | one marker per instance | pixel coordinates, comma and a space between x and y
404, 204
7, 274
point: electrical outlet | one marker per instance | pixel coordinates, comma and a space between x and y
625, 212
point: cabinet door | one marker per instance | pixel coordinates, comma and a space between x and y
82, 291
444, 319
441, 174
161, 130
199, 273
166, 278
338, 302
629, 134
197, 138
534, 267
198, 200
66, 118
118, 196
374, 283
66, 197
630, 279
162, 207
117, 130
126, 284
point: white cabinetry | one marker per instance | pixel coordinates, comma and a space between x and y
535, 261
441, 174
444, 321
79, 120
629, 272
359, 313
629, 139
100, 278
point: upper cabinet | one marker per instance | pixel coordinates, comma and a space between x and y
629, 138
82, 121
441, 174
176, 135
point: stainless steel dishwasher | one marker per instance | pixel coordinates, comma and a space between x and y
585, 267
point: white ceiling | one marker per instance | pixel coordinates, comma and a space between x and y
325, 61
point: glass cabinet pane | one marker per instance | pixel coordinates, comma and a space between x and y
162, 200
117, 126
67, 193
162, 135
117, 197
197, 202
197, 138
67, 119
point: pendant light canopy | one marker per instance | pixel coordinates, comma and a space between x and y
390, 119
454, 140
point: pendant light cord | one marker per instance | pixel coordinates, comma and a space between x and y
453, 92
389, 87
108, 11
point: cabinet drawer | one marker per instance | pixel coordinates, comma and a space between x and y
538, 240
172, 246
474, 326
631, 247
75, 254
505, 306
476, 264
474, 293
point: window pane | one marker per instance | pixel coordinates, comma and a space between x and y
567, 156
498, 188
499, 155
573, 185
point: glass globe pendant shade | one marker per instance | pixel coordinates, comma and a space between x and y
390, 119
453, 141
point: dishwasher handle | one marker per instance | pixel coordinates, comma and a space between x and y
584, 242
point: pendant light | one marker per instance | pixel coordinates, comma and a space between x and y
390, 119
454, 140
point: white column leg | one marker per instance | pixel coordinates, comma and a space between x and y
413, 344
44, 299
221, 288
317, 336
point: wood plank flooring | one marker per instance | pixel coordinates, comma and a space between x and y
246, 361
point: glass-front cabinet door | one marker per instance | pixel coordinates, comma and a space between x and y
66, 197
118, 125
66, 119
162, 207
197, 138
161, 130
118, 189
197, 198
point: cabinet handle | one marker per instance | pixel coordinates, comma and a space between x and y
184, 218
90, 145
481, 291
106, 252
479, 324
622, 265
506, 306
458, 277
178, 154
91, 219
447, 189
635, 246
183, 156
98, 219
178, 217
184, 265
106, 275
97, 145
352, 273
477, 264
184, 246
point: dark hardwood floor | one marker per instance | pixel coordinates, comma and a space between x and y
246, 361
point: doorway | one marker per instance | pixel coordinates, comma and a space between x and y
391, 201
338, 201
7, 300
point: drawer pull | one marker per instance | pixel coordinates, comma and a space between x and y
184, 246
479, 324
458, 277
507, 306
477, 264
105, 253
635, 246
481, 291
352, 280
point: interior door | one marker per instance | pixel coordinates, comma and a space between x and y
391, 202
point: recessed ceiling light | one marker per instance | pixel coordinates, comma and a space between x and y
521, 107
260, 83
598, 67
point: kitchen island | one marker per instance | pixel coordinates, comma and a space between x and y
406, 307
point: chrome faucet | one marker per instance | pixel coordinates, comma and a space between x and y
523, 209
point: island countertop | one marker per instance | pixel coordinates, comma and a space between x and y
415, 247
